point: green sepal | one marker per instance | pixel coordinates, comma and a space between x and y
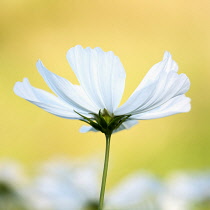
95, 125
90, 122
104, 122
117, 121
114, 122
86, 118
100, 119
122, 121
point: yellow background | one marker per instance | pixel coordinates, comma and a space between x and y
138, 31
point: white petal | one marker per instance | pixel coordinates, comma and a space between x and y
168, 87
136, 100
166, 65
44, 100
126, 125
179, 104
159, 85
101, 75
85, 129
72, 94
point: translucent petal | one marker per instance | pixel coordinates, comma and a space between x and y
168, 87
72, 94
45, 100
178, 104
161, 84
166, 65
101, 75
85, 129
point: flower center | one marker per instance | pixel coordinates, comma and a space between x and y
106, 115
104, 121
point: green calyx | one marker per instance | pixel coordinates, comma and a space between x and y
104, 121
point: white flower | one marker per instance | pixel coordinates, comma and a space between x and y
64, 185
102, 80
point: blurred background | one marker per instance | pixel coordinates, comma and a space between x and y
138, 32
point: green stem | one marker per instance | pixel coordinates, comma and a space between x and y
106, 162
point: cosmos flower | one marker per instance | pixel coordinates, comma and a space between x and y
69, 185
95, 101
102, 79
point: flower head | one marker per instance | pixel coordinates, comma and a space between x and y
102, 79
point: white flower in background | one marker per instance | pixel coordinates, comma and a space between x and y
102, 80
74, 185
64, 185
187, 191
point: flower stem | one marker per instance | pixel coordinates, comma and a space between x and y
106, 162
